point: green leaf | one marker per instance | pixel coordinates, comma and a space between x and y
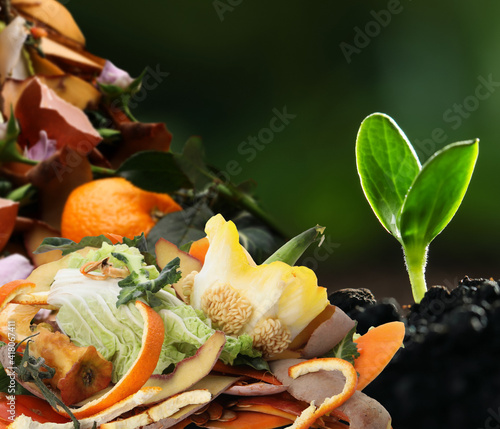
414, 203
69, 246
133, 289
186, 246
437, 192
5, 380
293, 249
387, 166
5, 187
192, 163
8, 146
154, 171
109, 134
255, 362
432, 202
24, 194
181, 227
347, 349
114, 91
140, 242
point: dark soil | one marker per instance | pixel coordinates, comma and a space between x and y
448, 373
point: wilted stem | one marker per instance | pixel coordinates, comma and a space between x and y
103, 171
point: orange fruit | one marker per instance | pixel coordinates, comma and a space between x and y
199, 249
115, 206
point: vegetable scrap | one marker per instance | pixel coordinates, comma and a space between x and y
131, 365
105, 333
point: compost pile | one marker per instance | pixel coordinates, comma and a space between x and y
447, 374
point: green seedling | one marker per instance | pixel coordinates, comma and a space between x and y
413, 202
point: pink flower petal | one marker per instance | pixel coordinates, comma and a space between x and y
42, 149
14, 267
112, 75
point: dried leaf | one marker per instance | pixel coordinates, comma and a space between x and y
181, 227
71, 57
54, 14
154, 171
43, 66
70, 88
74, 90
137, 136
34, 236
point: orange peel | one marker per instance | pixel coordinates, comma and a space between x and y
10, 290
19, 316
310, 414
139, 372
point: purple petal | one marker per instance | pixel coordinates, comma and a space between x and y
112, 75
42, 149
14, 267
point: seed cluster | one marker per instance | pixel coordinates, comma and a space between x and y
271, 337
187, 284
226, 308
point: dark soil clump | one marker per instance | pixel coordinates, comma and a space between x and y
448, 373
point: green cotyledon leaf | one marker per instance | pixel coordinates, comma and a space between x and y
437, 192
387, 166
432, 202
414, 203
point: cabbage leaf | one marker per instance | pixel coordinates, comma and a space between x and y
89, 316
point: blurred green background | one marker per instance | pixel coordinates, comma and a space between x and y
231, 62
